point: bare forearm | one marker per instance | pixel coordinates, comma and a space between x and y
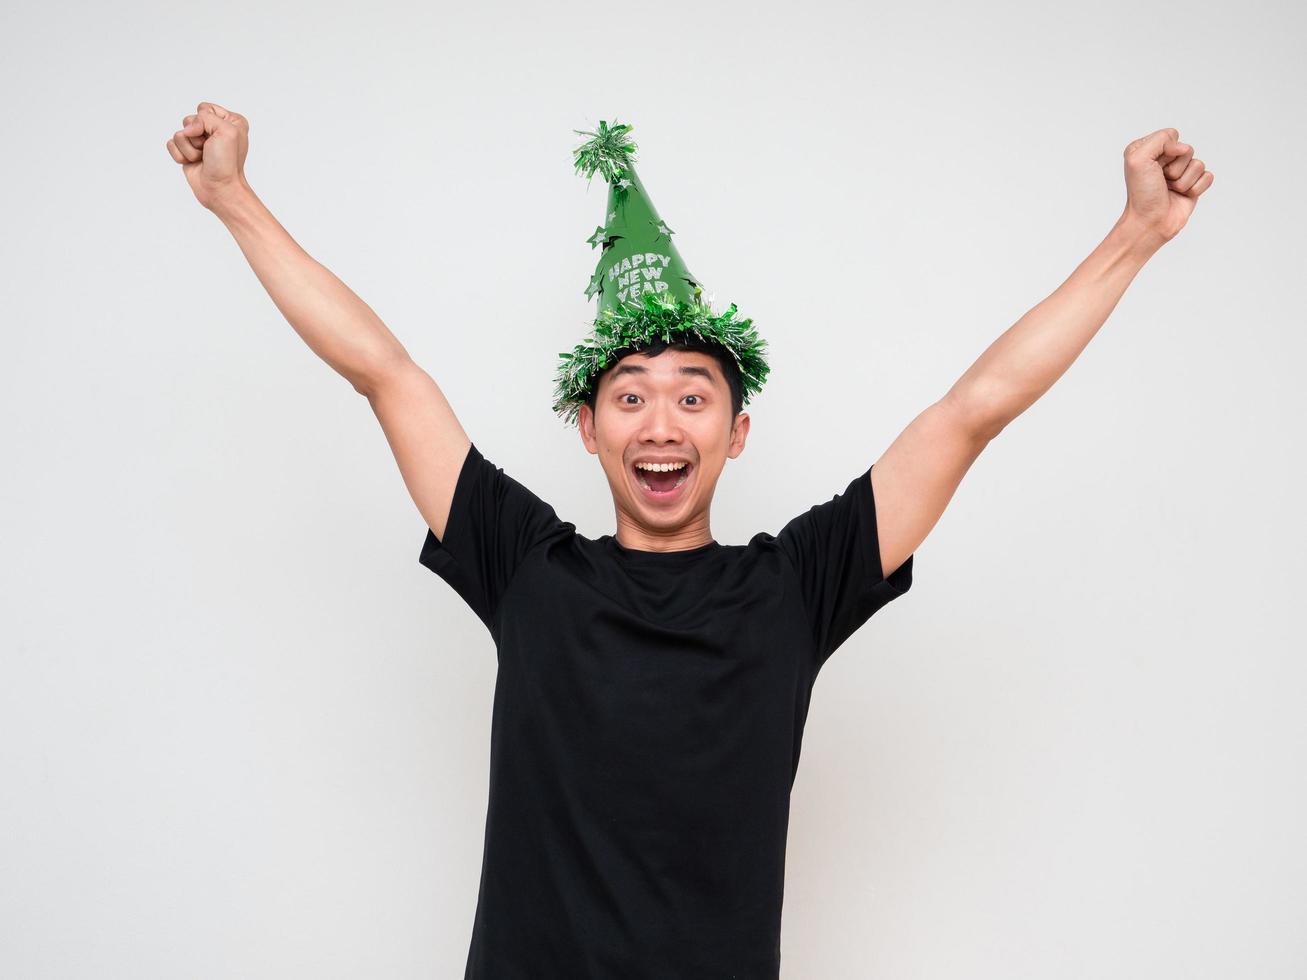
1033, 353
338, 326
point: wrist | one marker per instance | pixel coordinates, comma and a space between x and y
231, 199
1137, 235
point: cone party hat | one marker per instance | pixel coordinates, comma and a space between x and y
644, 289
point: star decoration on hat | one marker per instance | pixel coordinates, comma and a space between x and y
612, 215
596, 285
664, 230
598, 237
624, 183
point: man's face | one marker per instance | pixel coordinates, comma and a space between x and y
675, 406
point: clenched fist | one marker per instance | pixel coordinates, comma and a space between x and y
211, 147
1163, 181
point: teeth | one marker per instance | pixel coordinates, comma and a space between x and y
660, 467
679, 480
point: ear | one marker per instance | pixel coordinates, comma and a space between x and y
585, 424
739, 433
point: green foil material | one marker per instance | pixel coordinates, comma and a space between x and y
643, 287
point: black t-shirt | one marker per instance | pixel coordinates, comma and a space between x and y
645, 733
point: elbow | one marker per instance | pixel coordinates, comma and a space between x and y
981, 410
371, 378
361, 385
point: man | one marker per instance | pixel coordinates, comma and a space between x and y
653, 684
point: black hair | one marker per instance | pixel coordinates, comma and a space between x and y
724, 358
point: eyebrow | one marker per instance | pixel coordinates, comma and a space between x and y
637, 369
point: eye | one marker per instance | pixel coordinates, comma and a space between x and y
623, 399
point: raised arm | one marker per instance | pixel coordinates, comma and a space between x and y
917, 475
425, 436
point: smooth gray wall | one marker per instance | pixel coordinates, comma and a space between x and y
244, 734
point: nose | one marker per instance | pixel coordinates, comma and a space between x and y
661, 425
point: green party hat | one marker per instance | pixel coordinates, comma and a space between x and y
645, 290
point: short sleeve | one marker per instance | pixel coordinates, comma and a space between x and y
494, 522
835, 551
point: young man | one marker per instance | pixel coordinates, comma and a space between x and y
653, 684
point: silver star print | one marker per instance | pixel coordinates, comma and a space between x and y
597, 238
624, 183
612, 215
664, 230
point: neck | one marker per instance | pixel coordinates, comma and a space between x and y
637, 538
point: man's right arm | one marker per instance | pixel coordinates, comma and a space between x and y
425, 436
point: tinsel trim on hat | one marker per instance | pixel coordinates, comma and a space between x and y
608, 150
636, 324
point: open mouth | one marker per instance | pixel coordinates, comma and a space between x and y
662, 484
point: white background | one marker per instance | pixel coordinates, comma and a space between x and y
244, 734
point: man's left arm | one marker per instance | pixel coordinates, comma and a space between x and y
916, 477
